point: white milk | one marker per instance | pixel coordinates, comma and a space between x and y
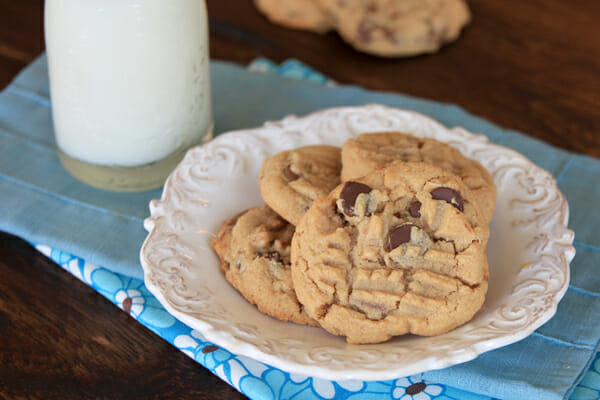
129, 79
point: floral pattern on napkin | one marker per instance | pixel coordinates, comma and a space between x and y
255, 379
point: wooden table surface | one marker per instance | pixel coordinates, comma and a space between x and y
529, 65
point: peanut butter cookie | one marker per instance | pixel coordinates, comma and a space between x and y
296, 14
370, 151
254, 249
399, 251
291, 180
393, 28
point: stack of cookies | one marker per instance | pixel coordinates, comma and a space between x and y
387, 28
384, 237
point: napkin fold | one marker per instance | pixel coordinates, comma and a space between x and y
43, 204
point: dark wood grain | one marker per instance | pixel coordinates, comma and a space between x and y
531, 65
528, 65
21, 35
61, 340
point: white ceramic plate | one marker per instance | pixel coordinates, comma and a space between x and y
529, 250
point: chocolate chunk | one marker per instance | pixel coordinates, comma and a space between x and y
364, 33
209, 349
349, 193
127, 304
273, 255
450, 196
372, 8
289, 174
414, 208
399, 236
415, 388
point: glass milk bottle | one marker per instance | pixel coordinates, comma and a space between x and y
130, 89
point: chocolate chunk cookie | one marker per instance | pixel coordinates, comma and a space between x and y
296, 14
370, 151
392, 28
291, 180
399, 251
254, 249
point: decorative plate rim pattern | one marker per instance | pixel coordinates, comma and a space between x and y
177, 261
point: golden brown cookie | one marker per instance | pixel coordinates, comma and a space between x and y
254, 249
291, 180
296, 14
370, 151
392, 28
399, 251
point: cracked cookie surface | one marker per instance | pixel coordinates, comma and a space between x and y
391, 28
291, 180
254, 249
371, 151
399, 251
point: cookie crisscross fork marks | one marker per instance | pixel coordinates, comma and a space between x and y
398, 251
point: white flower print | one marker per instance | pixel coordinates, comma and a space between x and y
325, 388
130, 300
414, 388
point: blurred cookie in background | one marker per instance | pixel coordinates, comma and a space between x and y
296, 14
385, 28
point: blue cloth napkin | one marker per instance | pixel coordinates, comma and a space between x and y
43, 204
254, 379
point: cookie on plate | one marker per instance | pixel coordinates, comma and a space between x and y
296, 14
368, 152
291, 180
392, 28
254, 249
399, 251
